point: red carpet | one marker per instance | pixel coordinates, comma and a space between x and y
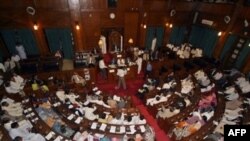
132, 87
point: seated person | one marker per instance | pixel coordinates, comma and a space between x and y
167, 113
89, 112
76, 78
158, 99
118, 119
13, 109
18, 132
9, 65
10, 89
18, 79
58, 54
111, 102
104, 118
99, 101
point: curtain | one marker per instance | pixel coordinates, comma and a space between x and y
209, 41
29, 42
60, 39
159, 36
1, 56
242, 56
177, 35
9, 38
228, 44
24, 36
204, 38
150, 33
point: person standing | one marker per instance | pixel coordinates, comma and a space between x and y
149, 69
103, 68
121, 72
15, 58
139, 64
21, 51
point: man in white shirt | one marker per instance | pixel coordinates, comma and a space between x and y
103, 68
9, 65
25, 134
10, 88
139, 64
15, 58
21, 51
121, 72
76, 78
89, 112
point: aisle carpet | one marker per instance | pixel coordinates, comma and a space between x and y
132, 87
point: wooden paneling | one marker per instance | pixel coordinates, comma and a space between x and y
93, 15
91, 27
52, 4
131, 27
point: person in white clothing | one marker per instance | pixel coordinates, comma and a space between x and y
17, 132
89, 112
9, 65
16, 58
13, 109
76, 78
21, 51
103, 68
18, 79
139, 64
121, 72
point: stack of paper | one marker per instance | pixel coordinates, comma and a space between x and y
122, 129
59, 138
103, 127
94, 125
143, 129
78, 120
71, 117
111, 71
112, 129
158, 88
50, 135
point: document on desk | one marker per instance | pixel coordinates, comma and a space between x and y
112, 129
71, 117
99, 136
132, 129
111, 71
78, 120
98, 92
95, 89
59, 138
143, 129
94, 125
50, 135
103, 127
122, 129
